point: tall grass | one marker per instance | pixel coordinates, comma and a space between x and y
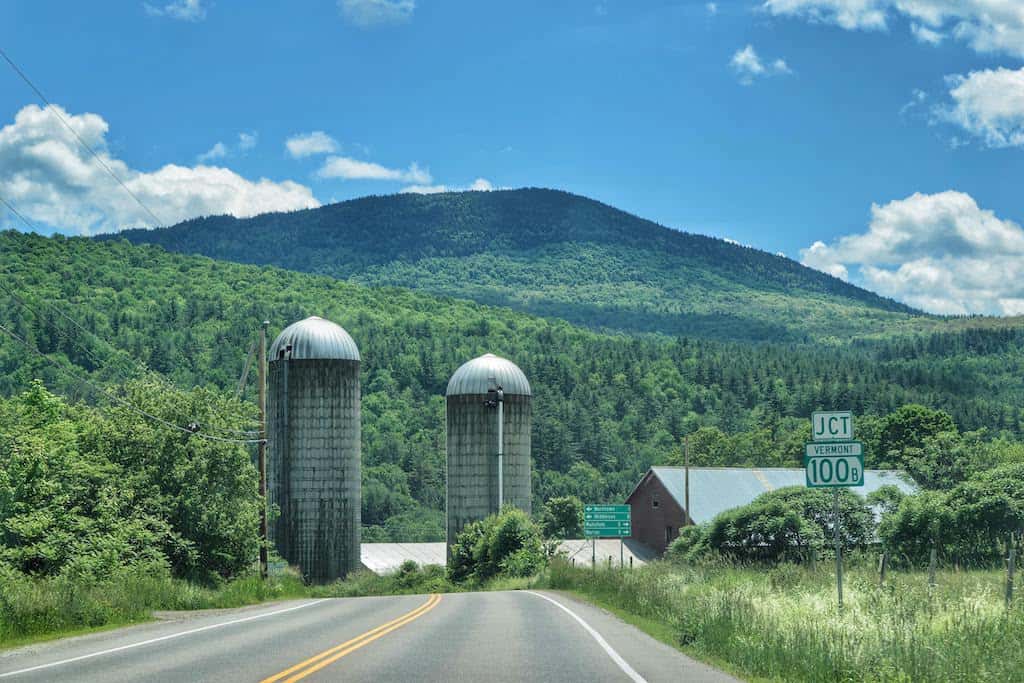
36, 608
782, 623
33, 608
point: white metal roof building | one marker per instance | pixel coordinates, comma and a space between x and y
659, 501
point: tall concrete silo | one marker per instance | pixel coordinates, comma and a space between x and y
478, 393
313, 443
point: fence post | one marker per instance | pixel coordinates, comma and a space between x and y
883, 565
630, 561
931, 569
1011, 562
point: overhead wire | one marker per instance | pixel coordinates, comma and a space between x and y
89, 352
85, 145
117, 399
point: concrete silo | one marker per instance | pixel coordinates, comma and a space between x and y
313, 442
477, 394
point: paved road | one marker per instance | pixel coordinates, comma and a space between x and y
499, 636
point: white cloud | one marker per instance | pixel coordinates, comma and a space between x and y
478, 185
939, 252
711, 7
309, 144
51, 179
850, 14
218, 151
989, 105
985, 25
927, 35
748, 66
185, 10
348, 168
367, 13
247, 141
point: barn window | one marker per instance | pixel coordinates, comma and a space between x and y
654, 502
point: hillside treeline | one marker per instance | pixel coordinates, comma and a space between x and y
605, 406
549, 253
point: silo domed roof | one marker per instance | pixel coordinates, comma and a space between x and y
479, 375
315, 338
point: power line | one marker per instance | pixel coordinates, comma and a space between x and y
50, 107
127, 404
17, 213
89, 352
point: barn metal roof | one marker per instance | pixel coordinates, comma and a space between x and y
717, 489
315, 338
385, 558
480, 374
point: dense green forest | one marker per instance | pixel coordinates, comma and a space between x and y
606, 405
554, 254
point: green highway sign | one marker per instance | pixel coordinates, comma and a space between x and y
606, 521
833, 471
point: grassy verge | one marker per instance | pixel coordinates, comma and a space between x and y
38, 609
782, 623
33, 609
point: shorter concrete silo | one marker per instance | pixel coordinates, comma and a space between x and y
313, 448
477, 393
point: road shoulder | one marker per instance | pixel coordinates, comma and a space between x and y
650, 656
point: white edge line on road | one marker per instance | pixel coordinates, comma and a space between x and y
616, 657
157, 640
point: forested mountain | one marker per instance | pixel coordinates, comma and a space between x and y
606, 406
553, 254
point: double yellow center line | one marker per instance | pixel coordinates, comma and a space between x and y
317, 662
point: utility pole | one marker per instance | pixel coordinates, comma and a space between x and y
686, 494
261, 374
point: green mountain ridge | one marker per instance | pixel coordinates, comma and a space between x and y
554, 254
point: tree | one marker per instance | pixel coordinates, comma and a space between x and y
921, 522
857, 526
562, 518
946, 459
909, 427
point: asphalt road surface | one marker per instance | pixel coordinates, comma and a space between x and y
499, 636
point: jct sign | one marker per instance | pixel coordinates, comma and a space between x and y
832, 426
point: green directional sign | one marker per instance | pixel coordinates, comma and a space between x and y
607, 521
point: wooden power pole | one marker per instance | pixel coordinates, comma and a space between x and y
686, 462
261, 374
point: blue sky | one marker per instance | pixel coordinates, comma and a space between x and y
776, 123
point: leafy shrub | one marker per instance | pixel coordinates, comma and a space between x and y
691, 544
969, 524
765, 530
505, 544
562, 517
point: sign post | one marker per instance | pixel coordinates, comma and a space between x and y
606, 521
834, 460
